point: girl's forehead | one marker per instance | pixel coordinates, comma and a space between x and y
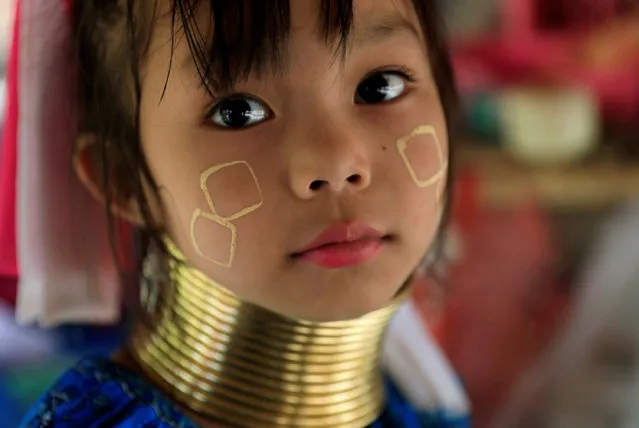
325, 19
319, 16
226, 41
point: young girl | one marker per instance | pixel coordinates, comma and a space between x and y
287, 164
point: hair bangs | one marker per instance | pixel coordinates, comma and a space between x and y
250, 37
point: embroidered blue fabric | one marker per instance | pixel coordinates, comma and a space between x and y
98, 393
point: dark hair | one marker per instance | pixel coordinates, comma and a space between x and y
112, 38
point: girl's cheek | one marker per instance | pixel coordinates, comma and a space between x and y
424, 158
230, 191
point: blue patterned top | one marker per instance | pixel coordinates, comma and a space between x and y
98, 393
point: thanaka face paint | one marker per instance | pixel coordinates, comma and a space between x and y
221, 214
423, 137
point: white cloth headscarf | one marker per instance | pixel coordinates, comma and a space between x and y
67, 274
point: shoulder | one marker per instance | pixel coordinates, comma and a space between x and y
398, 412
421, 371
99, 392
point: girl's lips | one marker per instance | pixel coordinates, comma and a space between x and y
335, 256
343, 245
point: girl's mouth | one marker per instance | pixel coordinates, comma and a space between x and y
343, 245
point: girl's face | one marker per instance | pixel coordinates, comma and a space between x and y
249, 180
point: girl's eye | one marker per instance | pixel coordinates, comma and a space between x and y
239, 112
381, 88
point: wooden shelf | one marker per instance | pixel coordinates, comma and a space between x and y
603, 181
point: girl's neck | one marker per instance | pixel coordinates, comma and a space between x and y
241, 365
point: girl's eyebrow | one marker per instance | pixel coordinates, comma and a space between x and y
380, 28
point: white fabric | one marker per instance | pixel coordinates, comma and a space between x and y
27, 345
67, 274
420, 369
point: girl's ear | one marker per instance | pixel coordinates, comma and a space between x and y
88, 165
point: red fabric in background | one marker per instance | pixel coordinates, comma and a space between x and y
8, 290
8, 170
502, 301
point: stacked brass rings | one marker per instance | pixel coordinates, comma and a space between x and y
242, 365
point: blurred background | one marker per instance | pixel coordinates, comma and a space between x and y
539, 307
